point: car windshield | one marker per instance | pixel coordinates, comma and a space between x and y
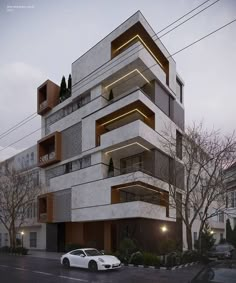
92, 252
222, 248
223, 275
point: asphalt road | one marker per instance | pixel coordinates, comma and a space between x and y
29, 269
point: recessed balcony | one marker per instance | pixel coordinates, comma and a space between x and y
49, 150
133, 112
138, 34
48, 96
140, 191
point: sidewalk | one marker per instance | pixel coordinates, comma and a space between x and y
44, 254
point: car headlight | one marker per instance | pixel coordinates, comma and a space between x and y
101, 260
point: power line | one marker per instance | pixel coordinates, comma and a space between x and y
196, 41
11, 129
200, 39
182, 17
21, 139
16, 127
17, 124
189, 18
88, 77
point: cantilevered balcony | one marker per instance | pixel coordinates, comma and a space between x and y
136, 111
49, 150
48, 96
134, 209
138, 34
130, 139
45, 208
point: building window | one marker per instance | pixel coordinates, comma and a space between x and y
234, 222
232, 199
33, 239
6, 239
179, 91
221, 216
179, 144
194, 237
32, 158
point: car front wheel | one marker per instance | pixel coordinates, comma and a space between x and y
93, 266
66, 262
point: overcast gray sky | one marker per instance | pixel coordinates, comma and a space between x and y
43, 38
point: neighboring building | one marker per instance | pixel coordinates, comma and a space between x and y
231, 196
34, 232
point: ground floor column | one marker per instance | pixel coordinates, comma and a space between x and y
107, 236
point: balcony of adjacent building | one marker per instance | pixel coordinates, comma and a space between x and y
48, 97
45, 208
49, 150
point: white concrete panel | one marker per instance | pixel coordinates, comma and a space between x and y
120, 211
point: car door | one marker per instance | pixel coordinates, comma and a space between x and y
76, 258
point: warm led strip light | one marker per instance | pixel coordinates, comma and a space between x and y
131, 186
123, 115
135, 70
127, 146
137, 36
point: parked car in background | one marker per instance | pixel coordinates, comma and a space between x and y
221, 251
223, 271
90, 258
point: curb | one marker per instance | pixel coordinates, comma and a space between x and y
161, 267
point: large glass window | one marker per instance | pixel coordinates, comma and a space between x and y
179, 143
179, 91
131, 164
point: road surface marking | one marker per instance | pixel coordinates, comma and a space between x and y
4, 266
44, 273
72, 278
18, 268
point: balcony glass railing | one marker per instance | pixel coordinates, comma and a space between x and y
43, 105
47, 157
43, 217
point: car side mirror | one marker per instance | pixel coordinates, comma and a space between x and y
102, 252
82, 255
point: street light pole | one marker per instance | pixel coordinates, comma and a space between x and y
22, 239
164, 231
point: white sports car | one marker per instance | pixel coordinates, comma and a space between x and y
91, 259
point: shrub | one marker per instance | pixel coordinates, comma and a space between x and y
18, 250
21, 251
172, 259
111, 96
136, 258
150, 259
126, 249
5, 249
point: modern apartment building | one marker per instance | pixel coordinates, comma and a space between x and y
105, 167
102, 156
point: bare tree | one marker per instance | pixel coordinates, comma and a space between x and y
204, 157
17, 192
